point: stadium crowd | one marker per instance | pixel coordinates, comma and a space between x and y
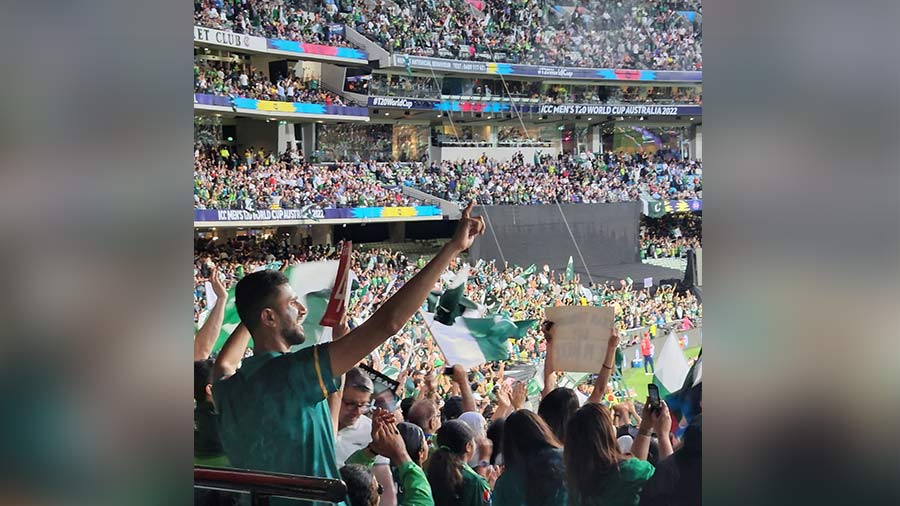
428, 87
275, 19
482, 436
625, 34
639, 34
237, 80
256, 180
611, 177
671, 235
509, 289
260, 180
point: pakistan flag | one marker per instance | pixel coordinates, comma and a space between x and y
463, 336
313, 282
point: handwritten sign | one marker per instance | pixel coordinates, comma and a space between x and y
582, 333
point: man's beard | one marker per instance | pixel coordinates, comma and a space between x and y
293, 336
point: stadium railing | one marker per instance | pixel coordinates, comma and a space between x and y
261, 485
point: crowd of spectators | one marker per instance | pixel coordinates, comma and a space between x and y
458, 436
275, 19
256, 180
637, 34
241, 80
586, 178
427, 87
504, 288
560, 94
634, 34
671, 235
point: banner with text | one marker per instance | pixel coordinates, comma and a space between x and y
620, 110
511, 69
274, 106
546, 109
230, 39
228, 215
657, 208
245, 42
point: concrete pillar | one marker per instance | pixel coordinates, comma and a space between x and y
596, 136
698, 142
309, 138
286, 136
494, 136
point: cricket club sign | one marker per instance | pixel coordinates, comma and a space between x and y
229, 39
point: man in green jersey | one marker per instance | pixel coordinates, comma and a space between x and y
274, 415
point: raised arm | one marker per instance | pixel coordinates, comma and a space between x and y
461, 378
658, 420
504, 402
334, 399
549, 364
232, 353
209, 331
397, 310
609, 363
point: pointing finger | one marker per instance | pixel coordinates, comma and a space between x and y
468, 210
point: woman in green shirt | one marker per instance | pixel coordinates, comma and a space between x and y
597, 471
535, 474
453, 482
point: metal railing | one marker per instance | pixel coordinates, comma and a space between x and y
262, 485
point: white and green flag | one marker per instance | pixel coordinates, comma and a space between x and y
527, 273
570, 270
670, 367
313, 282
463, 336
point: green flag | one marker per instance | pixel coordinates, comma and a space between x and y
653, 208
570, 270
313, 282
471, 341
521, 278
670, 367
448, 306
450, 303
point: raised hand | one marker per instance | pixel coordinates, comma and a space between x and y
549, 331
613, 341
341, 329
662, 422
215, 279
459, 375
504, 396
467, 230
520, 394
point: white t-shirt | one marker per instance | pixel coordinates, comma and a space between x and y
353, 438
